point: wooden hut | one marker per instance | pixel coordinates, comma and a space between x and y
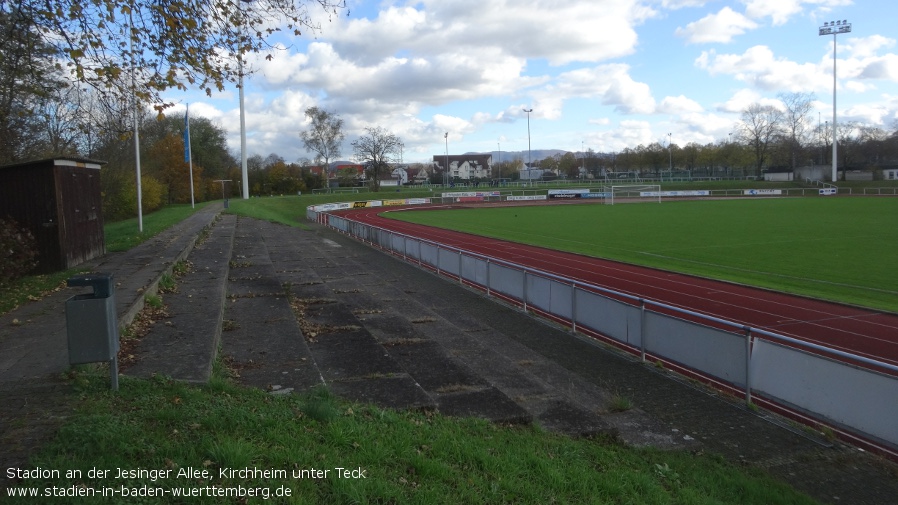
60, 201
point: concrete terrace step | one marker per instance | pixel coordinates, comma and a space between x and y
377, 341
262, 342
184, 345
138, 271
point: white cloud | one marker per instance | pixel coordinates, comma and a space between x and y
759, 67
880, 114
705, 128
720, 27
885, 68
864, 47
435, 53
678, 105
862, 60
680, 4
627, 95
628, 133
857, 86
558, 32
779, 11
743, 98
611, 84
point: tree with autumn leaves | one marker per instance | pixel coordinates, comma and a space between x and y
173, 43
173, 172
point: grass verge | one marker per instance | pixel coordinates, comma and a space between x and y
123, 235
181, 437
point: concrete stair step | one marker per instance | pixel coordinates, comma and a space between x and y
184, 345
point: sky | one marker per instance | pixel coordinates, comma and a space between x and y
598, 74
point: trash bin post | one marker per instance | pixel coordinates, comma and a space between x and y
92, 323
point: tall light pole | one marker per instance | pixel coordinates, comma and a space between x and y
582, 159
834, 28
670, 153
446, 173
728, 154
243, 169
498, 163
529, 158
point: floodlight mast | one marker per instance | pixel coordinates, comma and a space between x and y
834, 28
529, 157
244, 172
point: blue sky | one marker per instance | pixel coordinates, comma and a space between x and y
600, 74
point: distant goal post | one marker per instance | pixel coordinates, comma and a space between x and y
632, 193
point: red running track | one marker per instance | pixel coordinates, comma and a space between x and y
855, 330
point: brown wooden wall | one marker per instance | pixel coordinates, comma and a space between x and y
79, 207
59, 200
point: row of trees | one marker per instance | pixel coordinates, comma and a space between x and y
767, 137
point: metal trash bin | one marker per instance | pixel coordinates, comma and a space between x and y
92, 323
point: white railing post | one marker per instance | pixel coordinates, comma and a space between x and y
574, 307
748, 365
642, 330
489, 277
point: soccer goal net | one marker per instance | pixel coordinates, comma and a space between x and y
632, 193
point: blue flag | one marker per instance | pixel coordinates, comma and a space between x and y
187, 135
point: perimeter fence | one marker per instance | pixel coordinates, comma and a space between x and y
853, 394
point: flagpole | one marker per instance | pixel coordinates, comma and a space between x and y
136, 130
243, 166
189, 152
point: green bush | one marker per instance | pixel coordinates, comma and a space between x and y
120, 198
18, 251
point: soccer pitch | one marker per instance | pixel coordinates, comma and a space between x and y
841, 249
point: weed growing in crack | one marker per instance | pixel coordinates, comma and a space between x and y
620, 403
154, 301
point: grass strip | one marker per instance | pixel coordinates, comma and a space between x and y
187, 437
125, 234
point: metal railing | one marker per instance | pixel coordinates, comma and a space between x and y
851, 393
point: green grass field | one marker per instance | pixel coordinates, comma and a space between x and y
408, 457
842, 249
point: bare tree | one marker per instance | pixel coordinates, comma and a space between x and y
59, 119
27, 77
873, 140
377, 149
849, 138
760, 126
324, 135
795, 121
